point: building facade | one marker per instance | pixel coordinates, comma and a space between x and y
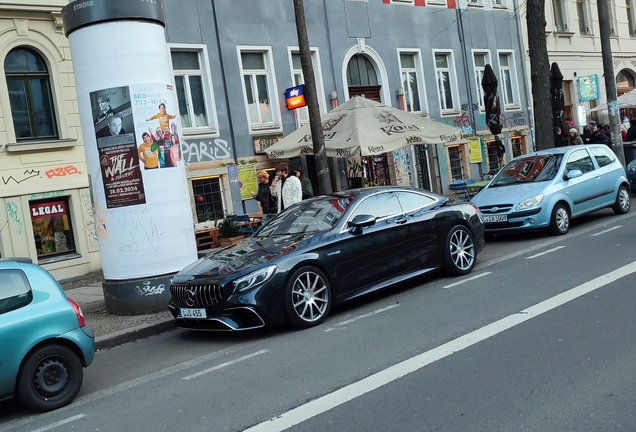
233, 61
45, 205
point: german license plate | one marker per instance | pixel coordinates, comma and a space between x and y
192, 313
498, 218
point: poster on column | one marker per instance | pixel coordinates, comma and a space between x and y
156, 126
118, 160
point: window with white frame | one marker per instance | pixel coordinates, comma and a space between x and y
500, 3
480, 59
611, 12
583, 16
457, 162
508, 80
410, 74
446, 81
629, 10
259, 89
302, 114
558, 8
518, 146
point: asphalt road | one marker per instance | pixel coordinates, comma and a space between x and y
540, 337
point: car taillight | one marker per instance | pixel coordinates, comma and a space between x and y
78, 312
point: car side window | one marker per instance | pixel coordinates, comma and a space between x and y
580, 160
380, 205
15, 291
411, 200
603, 155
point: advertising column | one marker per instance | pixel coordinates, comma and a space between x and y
128, 113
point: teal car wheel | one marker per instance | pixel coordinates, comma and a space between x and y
50, 378
560, 220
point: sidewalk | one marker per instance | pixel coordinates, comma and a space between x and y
113, 330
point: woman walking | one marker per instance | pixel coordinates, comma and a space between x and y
574, 138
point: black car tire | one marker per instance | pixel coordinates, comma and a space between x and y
460, 255
623, 201
560, 220
307, 297
50, 378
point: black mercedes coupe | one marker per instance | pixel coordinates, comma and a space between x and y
324, 251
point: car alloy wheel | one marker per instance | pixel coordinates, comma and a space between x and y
623, 201
560, 221
308, 297
50, 378
460, 254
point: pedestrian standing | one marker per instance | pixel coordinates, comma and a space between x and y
560, 140
587, 135
574, 138
631, 132
286, 189
308, 190
264, 196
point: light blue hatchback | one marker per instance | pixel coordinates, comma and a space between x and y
44, 340
546, 189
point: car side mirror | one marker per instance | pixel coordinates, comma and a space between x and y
572, 174
361, 221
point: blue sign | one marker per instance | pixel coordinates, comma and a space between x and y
588, 88
295, 97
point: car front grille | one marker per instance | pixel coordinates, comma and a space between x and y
495, 209
196, 295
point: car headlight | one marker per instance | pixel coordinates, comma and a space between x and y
631, 166
252, 279
527, 203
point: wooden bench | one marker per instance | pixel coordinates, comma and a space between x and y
207, 238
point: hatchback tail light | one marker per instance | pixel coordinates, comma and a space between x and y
78, 312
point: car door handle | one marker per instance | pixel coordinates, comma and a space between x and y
400, 220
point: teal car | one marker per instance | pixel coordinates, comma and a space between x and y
548, 188
44, 340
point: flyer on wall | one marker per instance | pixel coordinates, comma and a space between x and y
156, 126
118, 158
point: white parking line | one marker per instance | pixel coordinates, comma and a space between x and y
366, 315
379, 379
222, 365
454, 284
60, 423
607, 230
545, 252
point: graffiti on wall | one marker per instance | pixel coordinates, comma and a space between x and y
26, 175
463, 122
206, 151
14, 215
402, 166
354, 167
62, 171
89, 222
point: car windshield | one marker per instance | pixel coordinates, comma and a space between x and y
310, 216
531, 168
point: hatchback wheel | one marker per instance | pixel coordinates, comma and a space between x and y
307, 297
623, 201
459, 251
49, 378
560, 220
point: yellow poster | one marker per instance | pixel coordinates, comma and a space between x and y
474, 148
247, 180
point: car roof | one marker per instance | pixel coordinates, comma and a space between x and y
561, 150
354, 193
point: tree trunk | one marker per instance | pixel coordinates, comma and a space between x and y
311, 97
539, 74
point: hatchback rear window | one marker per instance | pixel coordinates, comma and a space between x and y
15, 291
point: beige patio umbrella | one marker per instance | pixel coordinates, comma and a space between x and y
364, 127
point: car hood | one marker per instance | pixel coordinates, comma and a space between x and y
251, 252
511, 194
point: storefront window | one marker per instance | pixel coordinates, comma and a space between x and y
52, 228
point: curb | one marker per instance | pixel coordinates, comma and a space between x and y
130, 334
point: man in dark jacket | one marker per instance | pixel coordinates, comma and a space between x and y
631, 132
599, 136
264, 196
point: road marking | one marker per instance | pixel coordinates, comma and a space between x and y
454, 284
545, 252
222, 365
607, 230
379, 379
366, 315
60, 423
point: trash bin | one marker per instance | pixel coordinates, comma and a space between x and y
629, 148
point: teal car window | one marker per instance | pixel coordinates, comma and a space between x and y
580, 160
15, 291
603, 155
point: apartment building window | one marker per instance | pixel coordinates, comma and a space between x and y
410, 81
302, 114
446, 81
518, 146
259, 89
30, 97
456, 161
501, 3
508, 80
52, 229
582, 14
208, 198
194, 91
491, 155
559, 15
611, 12
480, 60
630, 17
